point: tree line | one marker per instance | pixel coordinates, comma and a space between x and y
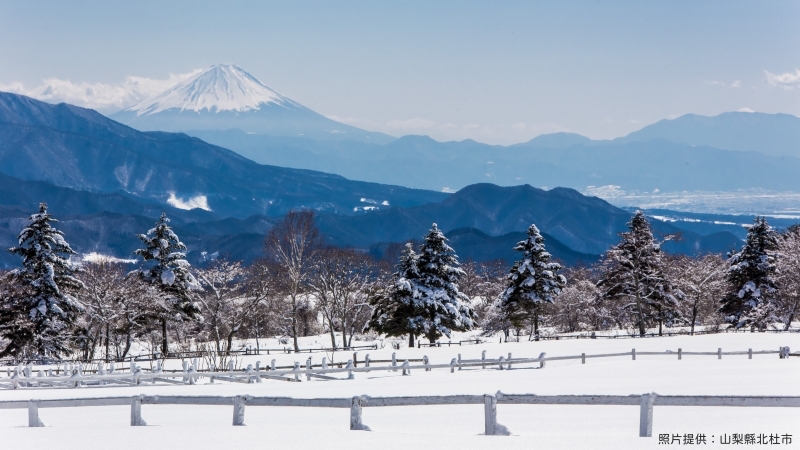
52, 306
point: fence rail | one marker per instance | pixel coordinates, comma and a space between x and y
646, 403
24, 378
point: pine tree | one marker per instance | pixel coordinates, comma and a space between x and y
752, 300
424, 298
391, 314
38, 312
439, 307
532, 281
634, 270
167, 270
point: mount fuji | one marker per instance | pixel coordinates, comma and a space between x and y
225, 97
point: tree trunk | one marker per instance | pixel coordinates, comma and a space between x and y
410, 340
108, 337
344, 332
294, 323
791, 315
639, 307
660, 331
333, 335
164, 342
694, 315
535, 324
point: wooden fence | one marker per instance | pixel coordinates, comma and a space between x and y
23, 377
646, 403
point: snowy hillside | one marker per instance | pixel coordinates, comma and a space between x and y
225, 97
223, 87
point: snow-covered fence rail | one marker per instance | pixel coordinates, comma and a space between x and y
646, 403
25, 378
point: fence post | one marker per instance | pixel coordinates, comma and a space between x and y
33, 414
425, 363
308, 369
406, 368
719, 353
366, 361
490, 414
355, 359
136, 412
680, 353
583, 358
258, 371
459, 361
508, 367
749, 353
541, 358
452, 365
500, 363
633, 354
394, 361
350, 375
356, 423
483, 357
238, 410
646, 415
272, 365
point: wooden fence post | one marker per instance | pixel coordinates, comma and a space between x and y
296, 371
483, 357
680, 353
425, 363
272, 365
33, 414
583, 358
366, 361
308, 369
508, 367
356, 422
136, 412
646, 415
350, 375
394, 361
719, 353
541, 358
749, 353
459, 361
452, 365
238, 410
355, 359
633, 354
500, 363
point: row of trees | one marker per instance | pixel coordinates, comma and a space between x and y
51, 307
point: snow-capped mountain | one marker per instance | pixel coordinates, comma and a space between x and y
226, 97
222, 87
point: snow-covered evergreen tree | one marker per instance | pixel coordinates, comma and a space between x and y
166, 269
634, 270
439, 307
392, 313
424, 298
38, 312
532, 281
752, 300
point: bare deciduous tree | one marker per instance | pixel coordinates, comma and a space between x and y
293, 243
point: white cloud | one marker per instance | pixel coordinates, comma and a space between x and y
608, 191
746, 110
103, 96
199, 201
733, 85
786, 80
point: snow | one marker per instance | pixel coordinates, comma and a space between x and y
223, 87
545, 426
198, 201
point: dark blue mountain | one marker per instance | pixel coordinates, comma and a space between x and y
82, 149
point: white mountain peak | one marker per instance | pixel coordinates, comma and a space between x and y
223, 87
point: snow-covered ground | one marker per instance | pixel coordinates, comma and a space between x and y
595, 427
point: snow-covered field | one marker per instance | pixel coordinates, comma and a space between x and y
550, 426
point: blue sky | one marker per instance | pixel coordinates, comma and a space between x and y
498, 72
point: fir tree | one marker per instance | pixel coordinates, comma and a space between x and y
38, 312
439, 307
391, 314
752, 300
633, 270
167, 270
532, 281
